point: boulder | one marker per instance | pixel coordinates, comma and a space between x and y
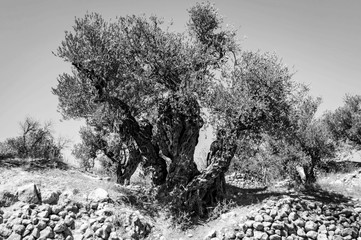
60, 227
29, 193
258, 226
275, 237
19, 229
311, 226
46, 233
14, 236
4, 231
50, 197
322, 236
312, 234
98, 195
259, 235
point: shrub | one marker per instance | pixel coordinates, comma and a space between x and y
36, 141
6, 151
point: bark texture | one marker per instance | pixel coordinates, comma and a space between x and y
209, 187
126, 158
178, 127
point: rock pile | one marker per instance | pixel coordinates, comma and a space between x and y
31, 221
69, 220
296, 218
105, 221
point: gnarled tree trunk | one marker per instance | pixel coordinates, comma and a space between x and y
178, 128
126, 159
209, 187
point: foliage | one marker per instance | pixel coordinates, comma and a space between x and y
36, 141
268, 161
309, 134
345, 122
87, 149
305, 142
6, 151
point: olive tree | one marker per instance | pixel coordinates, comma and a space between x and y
345, 122
136, 79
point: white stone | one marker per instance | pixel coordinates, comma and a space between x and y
98, 195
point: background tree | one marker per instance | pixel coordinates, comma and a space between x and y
135, 79
309, 134
345, 122
35, 141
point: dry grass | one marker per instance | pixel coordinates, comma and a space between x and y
76, 182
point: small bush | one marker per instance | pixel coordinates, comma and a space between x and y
35, 141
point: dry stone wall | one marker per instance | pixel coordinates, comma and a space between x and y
297, 219
68, 220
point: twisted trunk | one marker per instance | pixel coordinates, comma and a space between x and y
141, 132
209, 187
126, 159
178, 127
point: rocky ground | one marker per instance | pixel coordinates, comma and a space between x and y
67, 204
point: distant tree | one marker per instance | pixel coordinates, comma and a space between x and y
305, 142
309, 134
36, 141
345, 122
136, 80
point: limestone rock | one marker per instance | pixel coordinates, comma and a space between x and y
258, 226
14, 236
259, 235
113, 236
19, 229
267, 218
322, 236
229, 234
60, 227
50, 197
29, 193
258, 218
311, 226
349, 232
36, 233
275, 237
46, 233
312, 234
98, 195
4, 231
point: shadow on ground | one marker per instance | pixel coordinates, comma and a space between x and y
249, 196
339, 166
33, 164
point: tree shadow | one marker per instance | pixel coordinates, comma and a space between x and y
324, 196
249, 196
34, 164
339, 166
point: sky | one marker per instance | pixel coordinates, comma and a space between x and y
319, 39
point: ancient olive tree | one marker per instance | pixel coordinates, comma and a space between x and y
137, 80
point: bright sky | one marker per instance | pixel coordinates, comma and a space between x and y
320, 38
